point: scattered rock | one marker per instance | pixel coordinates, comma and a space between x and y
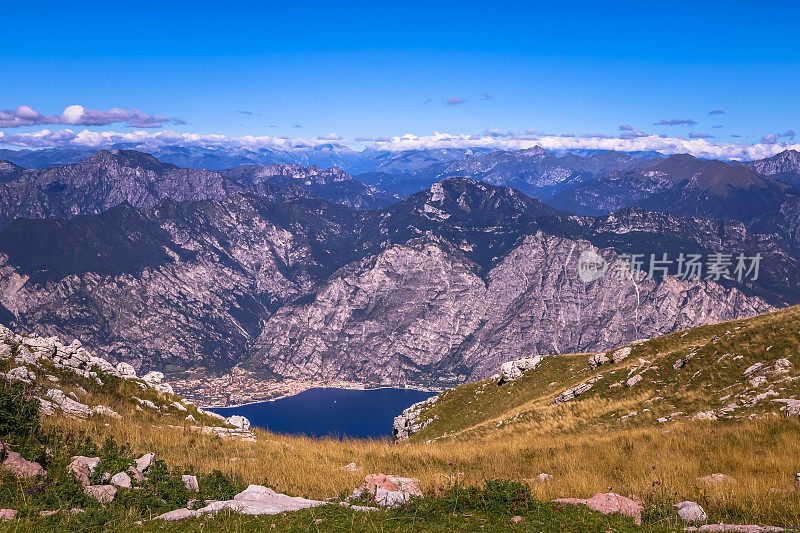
408, 422
691, 512
791, 407
190, 418
705, 415
121, 480
91, 462
634, 380
389, 491
135, 474
178, 514
680, 363
352, 467
126, 371
544, 477
153, 378
146, 403
598, 359
144, 462
607, 503
7, 514
516, 519
101, 493
191, 484
577, 390
511, 370
621, 354
179, 406
20, 466
83, 468
102, 410
69, 406
239, 422
22, 374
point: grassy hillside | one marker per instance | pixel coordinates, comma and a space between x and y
710, 379
483, 432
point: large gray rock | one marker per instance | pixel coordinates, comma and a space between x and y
83, 468
258, 500
21, 467
121, 480
190, 482
511, 370
691, 512
145, 461
239, 422
125, 370
388, 491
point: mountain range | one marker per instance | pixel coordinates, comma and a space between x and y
109, 178
305, 272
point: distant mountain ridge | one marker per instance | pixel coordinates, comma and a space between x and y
534, 171
110, 178
686, 186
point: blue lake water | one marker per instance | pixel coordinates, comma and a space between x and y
328, 412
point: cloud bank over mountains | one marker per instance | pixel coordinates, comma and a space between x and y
626, 139
699, 146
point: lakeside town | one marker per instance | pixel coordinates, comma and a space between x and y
240, 386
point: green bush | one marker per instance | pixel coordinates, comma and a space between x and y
19, 417
218, 486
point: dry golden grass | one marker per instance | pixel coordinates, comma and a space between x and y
761, 455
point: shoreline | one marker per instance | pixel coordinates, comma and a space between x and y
323, 386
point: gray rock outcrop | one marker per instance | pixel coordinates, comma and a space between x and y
691, 512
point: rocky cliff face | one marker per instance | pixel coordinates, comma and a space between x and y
439, 288
416, 312
784, 166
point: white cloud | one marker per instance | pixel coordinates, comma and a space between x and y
493, 139
76, 115
330, 137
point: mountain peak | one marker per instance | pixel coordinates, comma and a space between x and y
128, 158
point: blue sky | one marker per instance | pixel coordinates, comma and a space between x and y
305, 69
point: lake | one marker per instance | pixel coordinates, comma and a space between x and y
329, 412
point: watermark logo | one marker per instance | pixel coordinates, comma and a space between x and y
591, 266
714, 266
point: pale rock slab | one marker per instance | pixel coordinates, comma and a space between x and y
101, 493
144, 462
191, 484
607, 503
